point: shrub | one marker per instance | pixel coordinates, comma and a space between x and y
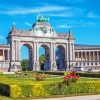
89, 74
16, 91
4, 89
49, 89
38, 90
40, 77
70, 78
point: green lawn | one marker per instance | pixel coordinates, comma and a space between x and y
12, 79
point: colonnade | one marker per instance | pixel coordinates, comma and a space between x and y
87, 55
4, 54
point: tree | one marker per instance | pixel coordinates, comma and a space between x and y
42, 59
25, 64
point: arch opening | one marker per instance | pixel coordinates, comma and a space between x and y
26, 57
44, 57
60, 58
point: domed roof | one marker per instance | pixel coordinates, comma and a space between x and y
42, 25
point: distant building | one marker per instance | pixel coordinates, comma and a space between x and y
71, 55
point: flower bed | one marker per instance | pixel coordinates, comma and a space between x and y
16, 87
70, 78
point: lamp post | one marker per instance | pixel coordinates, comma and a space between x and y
69, 49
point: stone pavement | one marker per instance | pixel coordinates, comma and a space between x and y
88, 97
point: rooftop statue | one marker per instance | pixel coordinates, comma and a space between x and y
41, 18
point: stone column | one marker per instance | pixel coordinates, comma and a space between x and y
34, 52
12, 52
18, 51
37, 52
3, 54
77, 56
36, 57
85, 56
8, 55
15, 51
71, 53
93, 56
54, 58
67, 56
73, 56
89, 56
97, 56
81, 56
51, 55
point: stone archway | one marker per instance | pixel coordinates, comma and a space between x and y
60, 58
30, 59
46, 65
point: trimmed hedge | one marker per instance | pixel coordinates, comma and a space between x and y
82, 74
49, 89
53, 72
89, 74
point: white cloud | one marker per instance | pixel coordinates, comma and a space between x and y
66, 26
74, 24
28, 24
62, 15
92, 15
51, 10
88, 24
74, 1
68, 12
33, 10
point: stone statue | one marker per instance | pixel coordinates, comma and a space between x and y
41, 18
54, 67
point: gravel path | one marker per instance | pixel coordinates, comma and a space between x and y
88, 97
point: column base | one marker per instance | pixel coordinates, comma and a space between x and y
36, 66
15, 66
53, 66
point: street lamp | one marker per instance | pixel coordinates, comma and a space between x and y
69, 49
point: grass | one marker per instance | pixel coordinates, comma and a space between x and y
13, 79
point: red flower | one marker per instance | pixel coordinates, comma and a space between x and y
78, 76
65, 77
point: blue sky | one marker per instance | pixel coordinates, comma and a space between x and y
82, 17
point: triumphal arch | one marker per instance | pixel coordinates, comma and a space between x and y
41, 35
61, 53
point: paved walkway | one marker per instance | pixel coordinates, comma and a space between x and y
89, 97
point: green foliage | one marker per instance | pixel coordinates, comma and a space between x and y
4, 89
42, 59
16, 91
54, 73
49, 89
17, 87
89, 74
38, 90
25, 64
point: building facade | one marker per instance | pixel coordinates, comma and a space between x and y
69, 55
